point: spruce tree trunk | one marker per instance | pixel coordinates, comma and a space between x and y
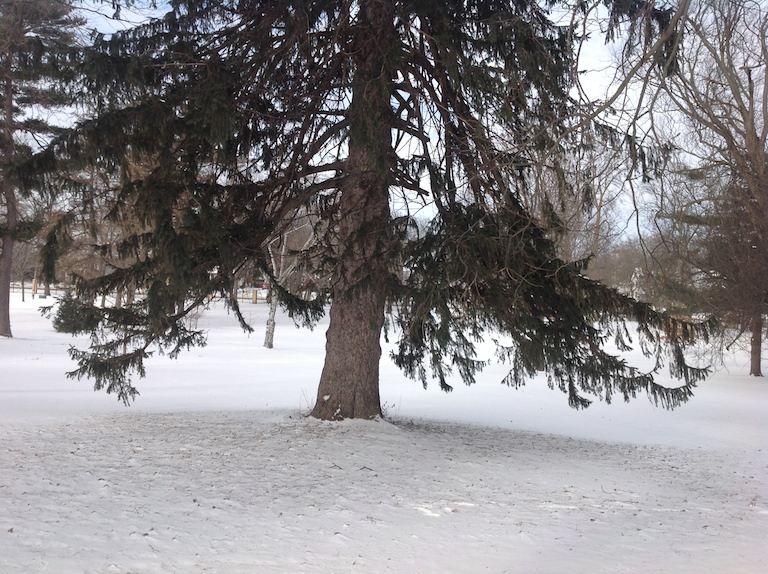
349, 384
362, 240
6, 260
756, 346
8, 198
6, 256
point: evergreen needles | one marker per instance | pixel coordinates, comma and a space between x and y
217, 125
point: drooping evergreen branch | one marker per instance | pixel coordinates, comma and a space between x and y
499, 277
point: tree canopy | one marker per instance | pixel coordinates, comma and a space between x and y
245, 113
37, 38
713, 214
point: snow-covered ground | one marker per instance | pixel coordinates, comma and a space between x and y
215, 470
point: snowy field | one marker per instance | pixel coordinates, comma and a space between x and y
214, 469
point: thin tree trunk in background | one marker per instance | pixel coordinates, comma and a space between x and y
269, 337
6, 260
279, 272
130, 294
349, 384
8, 197
756, 346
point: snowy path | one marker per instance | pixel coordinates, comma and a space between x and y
273, 492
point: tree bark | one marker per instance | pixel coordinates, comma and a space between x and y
361, 242
8, 197
6, 261
756, 346
269, 336
349, 383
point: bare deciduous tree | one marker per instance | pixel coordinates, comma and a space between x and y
288, 259
714, 108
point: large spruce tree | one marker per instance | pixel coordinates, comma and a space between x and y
245, 112
36, 39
